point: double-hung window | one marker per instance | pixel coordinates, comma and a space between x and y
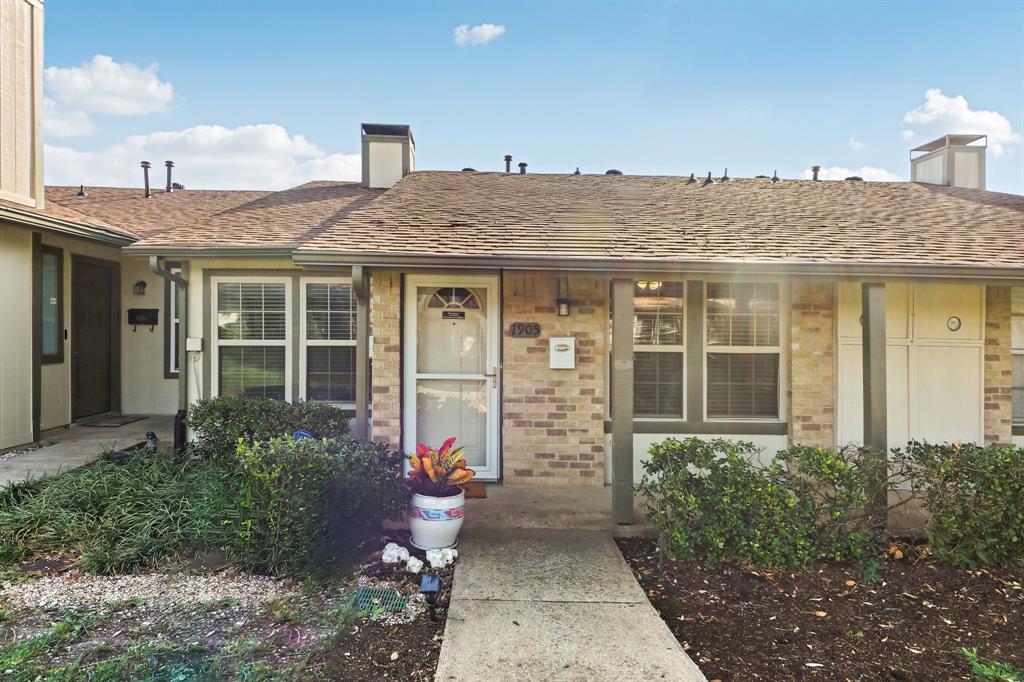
743, 351
252, 337
659, 339
1017, 344
329, 342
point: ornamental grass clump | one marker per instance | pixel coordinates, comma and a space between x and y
438, 473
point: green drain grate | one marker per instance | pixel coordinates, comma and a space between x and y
380, 598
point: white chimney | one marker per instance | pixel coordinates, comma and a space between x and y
389, 154
952, 160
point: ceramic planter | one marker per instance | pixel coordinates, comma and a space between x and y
435, 521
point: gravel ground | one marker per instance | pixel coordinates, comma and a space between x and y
156, 589
11, 454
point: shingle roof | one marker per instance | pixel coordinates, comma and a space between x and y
282, 219
667, 219
58, 212
128, 209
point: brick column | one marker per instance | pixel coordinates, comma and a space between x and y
812, 363
998, 366
386, 386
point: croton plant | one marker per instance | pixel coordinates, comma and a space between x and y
438, 473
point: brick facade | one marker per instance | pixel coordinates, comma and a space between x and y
812, 363
386, 382
553, 419
998, 366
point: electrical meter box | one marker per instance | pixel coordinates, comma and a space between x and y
562, 351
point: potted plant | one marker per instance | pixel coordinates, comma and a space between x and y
438, 503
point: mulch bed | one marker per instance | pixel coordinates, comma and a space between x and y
823, 622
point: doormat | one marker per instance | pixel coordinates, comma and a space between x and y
111, 420
476, 489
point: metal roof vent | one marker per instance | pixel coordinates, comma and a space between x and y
708, 180
855, 178
814, 172
81, 191
508, 163
467, 169
577, 171
522, 168
775, 176
691, 180
760, 177
725, 176
613, 171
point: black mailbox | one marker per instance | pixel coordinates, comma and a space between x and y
147, 317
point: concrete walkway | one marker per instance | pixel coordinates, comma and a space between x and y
78, 445
551, 603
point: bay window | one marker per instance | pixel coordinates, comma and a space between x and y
251, 357
742, 351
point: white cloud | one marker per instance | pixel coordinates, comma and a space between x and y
264, 156
61, 121
869, 173
907, 134
103, 86
942, 115
478, 35
856, 145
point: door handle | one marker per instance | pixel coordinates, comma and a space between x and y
493, 376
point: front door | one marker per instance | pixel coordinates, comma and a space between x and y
93, 331
452, 370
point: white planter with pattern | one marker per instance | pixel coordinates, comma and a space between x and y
435, 521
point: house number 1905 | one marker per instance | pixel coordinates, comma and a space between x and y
524, 330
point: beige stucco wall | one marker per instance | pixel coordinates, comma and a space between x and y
21, 81
553, 419
15, 336
812, 363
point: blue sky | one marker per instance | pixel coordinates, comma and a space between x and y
659, 88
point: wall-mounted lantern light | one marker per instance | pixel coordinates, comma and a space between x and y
562, 296
139, 288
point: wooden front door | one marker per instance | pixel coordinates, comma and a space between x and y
94, 336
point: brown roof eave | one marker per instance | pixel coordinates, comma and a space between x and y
29, 219
210, 251
991, 274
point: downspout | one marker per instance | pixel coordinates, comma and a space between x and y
182, 284
361, 288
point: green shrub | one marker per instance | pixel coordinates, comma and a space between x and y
117, 517
974, 497
219, 423
713, 500
300, 499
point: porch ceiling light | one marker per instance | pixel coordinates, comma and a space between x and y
139, 288
562, 296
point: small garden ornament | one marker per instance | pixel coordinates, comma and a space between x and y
438, 504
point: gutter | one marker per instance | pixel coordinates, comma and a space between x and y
64, 226
155, 265
852, 271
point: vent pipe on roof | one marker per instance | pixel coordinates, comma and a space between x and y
577, 171
145, 177
508, 163
775, 176
709, 181
81, 191
725, 176
522, 168
814, 172
691, 180
170, 185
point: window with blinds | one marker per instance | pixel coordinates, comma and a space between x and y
1017, 327
329, 342
252, 320
658, 345
742, 347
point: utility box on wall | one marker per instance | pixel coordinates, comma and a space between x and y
562, 352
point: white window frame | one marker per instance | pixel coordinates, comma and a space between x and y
173, 361
305, 343
776, 350
679, 348
217, 343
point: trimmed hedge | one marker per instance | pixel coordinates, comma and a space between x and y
220, 423
712, 500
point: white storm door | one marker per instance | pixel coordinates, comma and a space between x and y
452, 369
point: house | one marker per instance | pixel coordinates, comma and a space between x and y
556, 324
